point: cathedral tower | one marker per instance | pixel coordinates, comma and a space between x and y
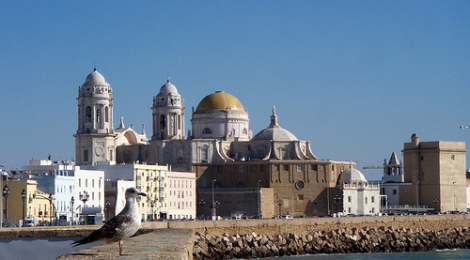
94, 140
168, 114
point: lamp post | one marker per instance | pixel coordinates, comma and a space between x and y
107, 204
388, 206
23, 196
435, 204
259, 199
50, 209
6, 191
202, 203
454, 198
72, 200
279, 202
213, 205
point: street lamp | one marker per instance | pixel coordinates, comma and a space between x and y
388, 205
259, 199
202, 203
23, 196
213, 206
50, 209
435, 204
279, 202
6, 191
72, 200
107, 204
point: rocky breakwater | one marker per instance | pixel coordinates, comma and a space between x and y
346, 240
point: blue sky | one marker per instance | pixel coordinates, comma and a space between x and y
356, 78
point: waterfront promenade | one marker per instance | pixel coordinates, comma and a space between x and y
175, 239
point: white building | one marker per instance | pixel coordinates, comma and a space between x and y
359, 196
182, 195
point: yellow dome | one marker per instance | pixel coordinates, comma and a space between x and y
220, 101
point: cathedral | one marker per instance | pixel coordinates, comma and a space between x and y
237, 173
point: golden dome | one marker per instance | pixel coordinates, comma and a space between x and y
220, 101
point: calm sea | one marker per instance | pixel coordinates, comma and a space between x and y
449, 254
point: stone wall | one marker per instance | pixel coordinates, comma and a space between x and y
345, 240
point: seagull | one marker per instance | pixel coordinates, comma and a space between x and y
121, 226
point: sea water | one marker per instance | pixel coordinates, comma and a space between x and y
39, 248
447, 254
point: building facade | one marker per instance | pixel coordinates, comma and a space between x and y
436, 172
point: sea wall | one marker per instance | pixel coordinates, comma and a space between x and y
331, 235
346, 240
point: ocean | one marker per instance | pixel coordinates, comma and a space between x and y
50, 248
447, 254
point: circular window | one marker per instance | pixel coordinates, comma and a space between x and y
299, 185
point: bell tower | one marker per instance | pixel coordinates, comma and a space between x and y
168, 114
94, 140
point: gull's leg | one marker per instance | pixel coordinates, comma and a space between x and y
120, 247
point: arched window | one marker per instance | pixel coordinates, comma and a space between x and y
88, 114
162, 121
244, 131
106, 114
206, 131
98, 115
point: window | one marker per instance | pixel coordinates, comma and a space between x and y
394, 192
372, 199
206, 131
365, 200
88, 114
286, 167
452, 157
98, 115
79, 182
349, 200
300, 168
85, 155
299, 185
204, 155
300, 197
92, 183
106, 114
422, 176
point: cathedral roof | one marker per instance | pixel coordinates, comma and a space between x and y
352, 175
95, 78
220, 101
274, 132
168, 88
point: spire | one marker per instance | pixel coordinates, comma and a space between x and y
274, 117
394, 159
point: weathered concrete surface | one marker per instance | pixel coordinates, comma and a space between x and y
159, 244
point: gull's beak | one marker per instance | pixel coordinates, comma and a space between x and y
142, 194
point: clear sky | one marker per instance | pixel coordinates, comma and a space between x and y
355, 78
